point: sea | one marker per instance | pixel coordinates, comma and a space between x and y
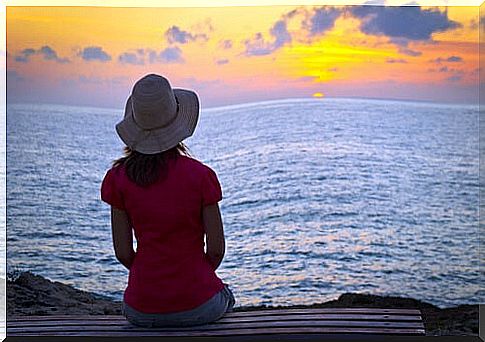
320, 197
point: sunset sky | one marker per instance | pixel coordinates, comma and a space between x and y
93, 55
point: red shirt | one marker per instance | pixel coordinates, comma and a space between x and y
169, 272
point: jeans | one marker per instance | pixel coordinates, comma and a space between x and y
210, 311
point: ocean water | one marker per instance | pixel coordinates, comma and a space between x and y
321, 197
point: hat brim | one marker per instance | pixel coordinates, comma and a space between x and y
161, 139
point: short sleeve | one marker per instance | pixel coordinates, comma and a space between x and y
110, 192
211, 189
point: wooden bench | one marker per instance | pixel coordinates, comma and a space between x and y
267, 322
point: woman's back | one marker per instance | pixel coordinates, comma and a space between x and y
170, 272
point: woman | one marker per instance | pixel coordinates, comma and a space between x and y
170, 201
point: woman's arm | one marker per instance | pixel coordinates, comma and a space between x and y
122, 237
214, 234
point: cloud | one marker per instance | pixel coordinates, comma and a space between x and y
451, 59
171, 54
322, 20
281, 34
409, 52
135, 58
258, 46
393, 60
24, 55
412, 23
49, 54
94, 53
45, 51
454, 74
222, 61
315, 22
175, 35
225, 44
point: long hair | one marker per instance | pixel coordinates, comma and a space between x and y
146, 169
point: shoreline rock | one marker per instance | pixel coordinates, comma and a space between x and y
30, 294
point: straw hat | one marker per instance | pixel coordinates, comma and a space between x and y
157, 117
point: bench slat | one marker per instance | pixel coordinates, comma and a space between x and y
222, 321
233, 332
215, 326
369, 311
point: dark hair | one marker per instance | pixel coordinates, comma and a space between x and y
146, 169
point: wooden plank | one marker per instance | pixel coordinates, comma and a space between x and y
228, 318
127, 326
232, 332
63, 317
414, 312
222, 322
369, 311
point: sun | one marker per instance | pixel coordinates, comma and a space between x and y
319, 95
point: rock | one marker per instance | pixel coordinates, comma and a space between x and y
31, 294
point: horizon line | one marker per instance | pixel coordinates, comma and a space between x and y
269, 101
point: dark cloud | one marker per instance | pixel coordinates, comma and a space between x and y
46, 52
451, 59
225, 44
175, 35
135, 58
258, 46
222, 61
322, 20
411, 23
94, 53
393, 60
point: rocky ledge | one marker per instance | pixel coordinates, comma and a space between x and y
30, 294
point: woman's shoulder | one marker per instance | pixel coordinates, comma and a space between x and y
117, 169
116, 173
194, 164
